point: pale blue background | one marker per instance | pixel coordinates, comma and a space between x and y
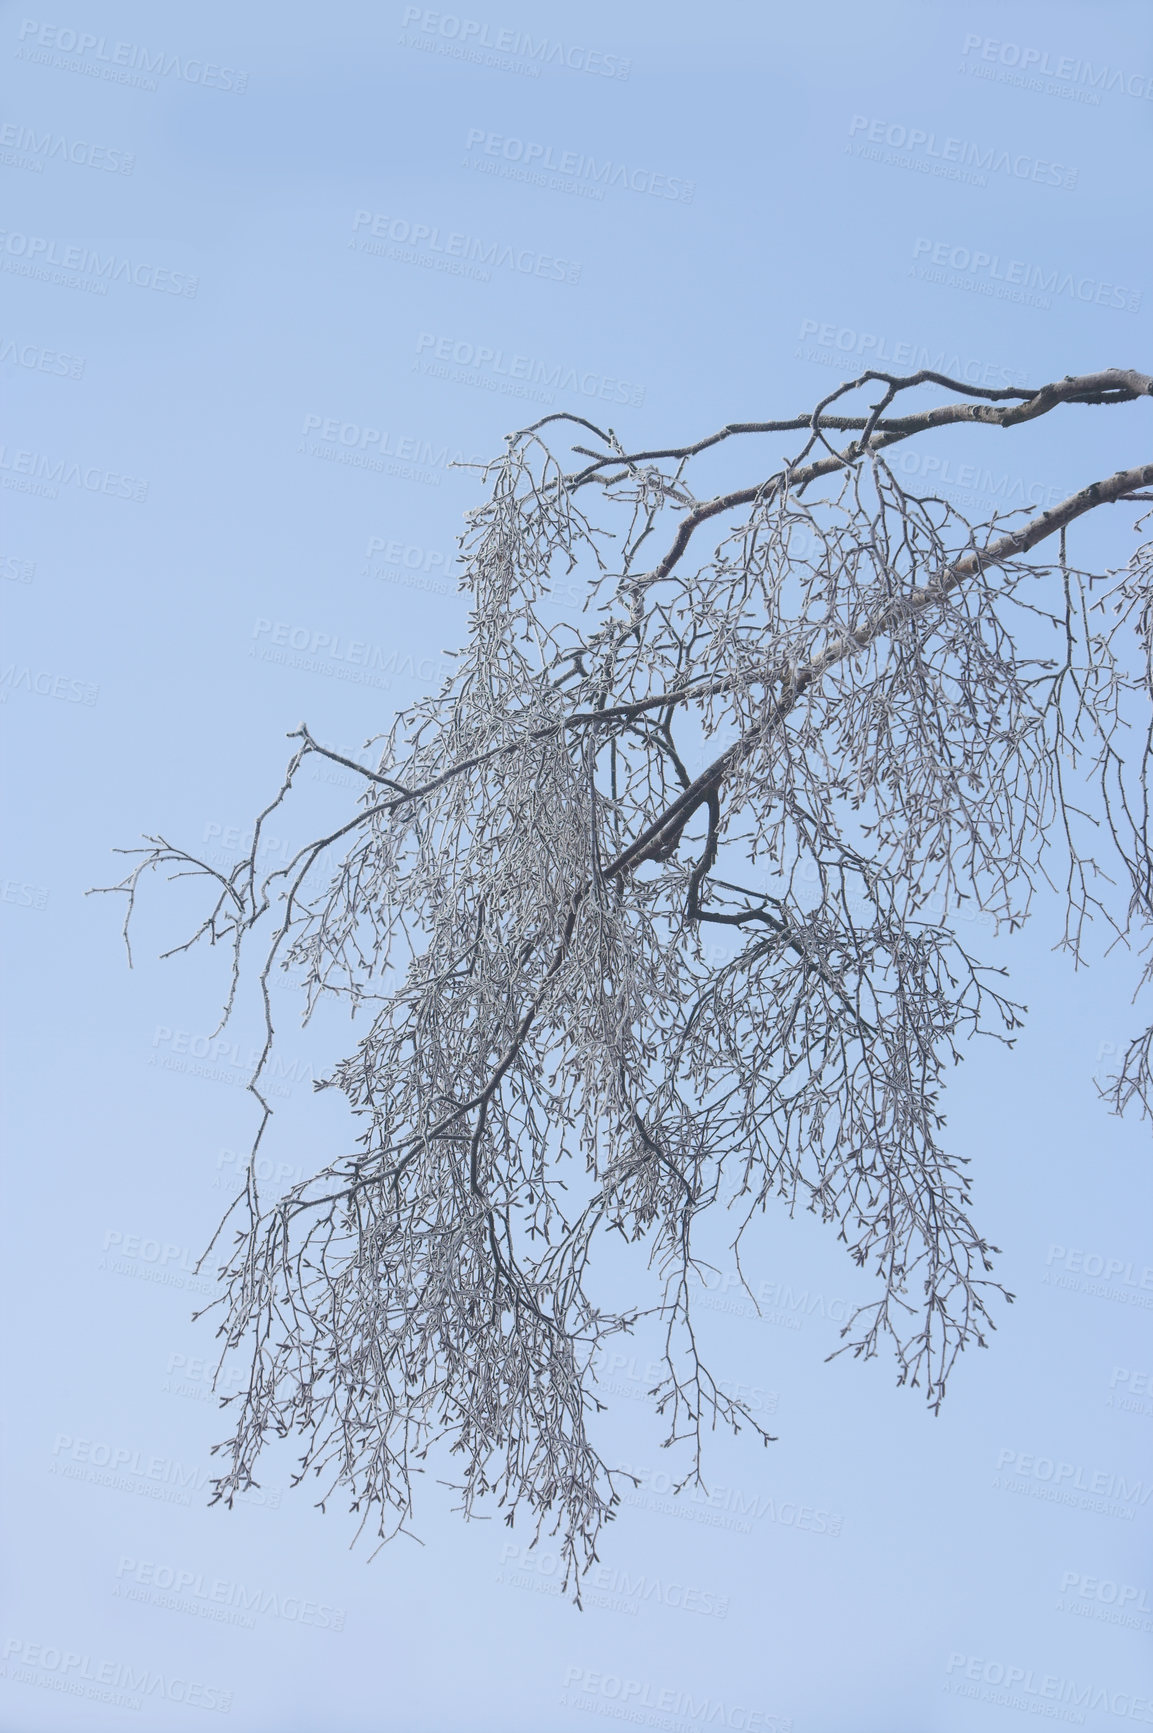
155, 603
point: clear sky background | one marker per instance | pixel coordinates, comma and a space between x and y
277, 187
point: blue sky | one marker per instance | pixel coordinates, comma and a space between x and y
311, 219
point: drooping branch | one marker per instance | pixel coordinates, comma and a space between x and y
789, 741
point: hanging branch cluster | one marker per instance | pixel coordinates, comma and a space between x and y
636, 910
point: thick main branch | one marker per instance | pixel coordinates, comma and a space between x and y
794, 685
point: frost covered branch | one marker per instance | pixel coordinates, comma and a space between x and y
789, 716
